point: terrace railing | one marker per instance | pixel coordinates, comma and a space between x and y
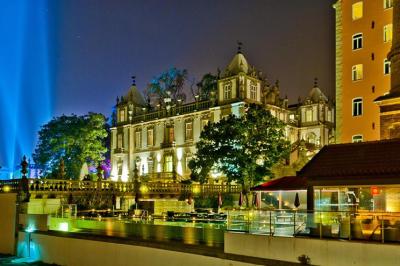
367, 226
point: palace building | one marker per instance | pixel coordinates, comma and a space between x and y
363, 40
156, 143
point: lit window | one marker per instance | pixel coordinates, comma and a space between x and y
357, 138
357, 10
357, 107
138, 139
309, 115
253, 92
189, 131
170, 134
291, 117
150, 137
119, 141
357, 41
228, 91
204, 123
357, 72
387, 4
122, 115
187, 160
168, 163
387, 33
386, 67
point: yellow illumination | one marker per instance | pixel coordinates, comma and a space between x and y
6, 188
144, 189
357, 10
196, 189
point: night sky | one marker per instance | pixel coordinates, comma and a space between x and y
101, 44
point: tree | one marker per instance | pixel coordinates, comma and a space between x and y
170, 81
243, 148
207, 84
75, 139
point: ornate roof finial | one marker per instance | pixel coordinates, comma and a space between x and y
240, 44
315, 82
133, 80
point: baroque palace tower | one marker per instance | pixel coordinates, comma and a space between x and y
363, 40
390, 103
156, 143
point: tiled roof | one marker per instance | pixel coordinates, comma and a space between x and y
283, 183
364, 159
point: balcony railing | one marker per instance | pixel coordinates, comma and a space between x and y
63, 186
175, 110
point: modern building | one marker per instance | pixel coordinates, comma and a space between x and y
156, 143
363, 40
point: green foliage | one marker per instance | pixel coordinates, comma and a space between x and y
170, 81
243, 148
207, 84
76, 139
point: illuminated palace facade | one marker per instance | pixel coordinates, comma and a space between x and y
157, 143
363, 40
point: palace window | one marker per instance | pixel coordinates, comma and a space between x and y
357, 72
386, 67
387, 4
119, 141
150, 137
138, 139
170, 137
188, 158
253, 92
357, 138
357, 10
309, 115
204, 122
357, 107
168, 163
121, 115
189, 130
228, 91
357, 41
387, 33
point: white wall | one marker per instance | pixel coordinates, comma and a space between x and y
7, 222
321, 252
76, 252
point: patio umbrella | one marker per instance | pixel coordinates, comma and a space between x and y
257, 200
297, 200
240, 199
219, 200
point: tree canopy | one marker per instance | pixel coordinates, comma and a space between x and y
207, 84
169, 82
242, 148
75, 139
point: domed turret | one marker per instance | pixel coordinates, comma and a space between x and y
316, 95
134, 96
238, 65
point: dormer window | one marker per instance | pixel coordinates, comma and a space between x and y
228, 91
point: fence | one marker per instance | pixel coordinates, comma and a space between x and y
368, 226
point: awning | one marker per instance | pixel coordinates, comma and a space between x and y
283, 183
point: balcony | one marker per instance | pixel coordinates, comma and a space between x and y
120, 151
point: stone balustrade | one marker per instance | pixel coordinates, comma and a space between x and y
70, 186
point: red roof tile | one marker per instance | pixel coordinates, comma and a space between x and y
365, 159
